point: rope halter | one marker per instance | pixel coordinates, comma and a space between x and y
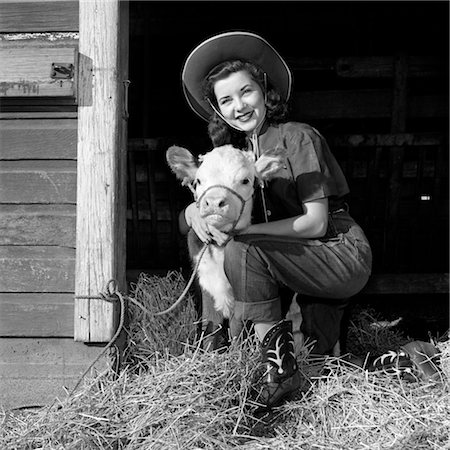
231, 191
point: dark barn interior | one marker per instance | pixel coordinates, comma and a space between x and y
371, 76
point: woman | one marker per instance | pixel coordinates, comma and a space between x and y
302, 236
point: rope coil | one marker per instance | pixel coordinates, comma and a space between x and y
111, 294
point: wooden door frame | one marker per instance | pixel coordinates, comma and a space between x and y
101, 167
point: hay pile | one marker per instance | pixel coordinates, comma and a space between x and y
195, 400
149, 334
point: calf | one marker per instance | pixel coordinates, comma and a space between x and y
223, 182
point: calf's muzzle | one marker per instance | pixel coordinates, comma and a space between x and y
220, 199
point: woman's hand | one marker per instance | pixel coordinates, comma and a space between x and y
206, 233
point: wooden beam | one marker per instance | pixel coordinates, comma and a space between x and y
42, 16
386, 140
368, 66
383, 67
407, 283
396, 157
101, 196
362, 104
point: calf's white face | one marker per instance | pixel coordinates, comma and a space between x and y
223, 181
224, 187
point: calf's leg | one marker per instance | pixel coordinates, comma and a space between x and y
213, 325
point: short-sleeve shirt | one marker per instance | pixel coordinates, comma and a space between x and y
311, 171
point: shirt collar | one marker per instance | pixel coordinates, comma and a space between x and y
268, 136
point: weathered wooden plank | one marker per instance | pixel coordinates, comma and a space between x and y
43, 315
408, 283
37, 225
38, 181
38, 139
101, 206
27, 67
362, 104
37, 269
37, 104
38, 115
383, 67
36, 371
38, 16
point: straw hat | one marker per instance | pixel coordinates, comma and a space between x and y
229, 46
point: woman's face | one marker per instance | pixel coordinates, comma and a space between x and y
240, 100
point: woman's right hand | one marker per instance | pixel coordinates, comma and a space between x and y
206, 233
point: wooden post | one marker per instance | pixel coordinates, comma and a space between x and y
101, 170
398, 125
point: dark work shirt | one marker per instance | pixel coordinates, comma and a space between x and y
311, 172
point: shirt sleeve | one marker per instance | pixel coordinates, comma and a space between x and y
316, 172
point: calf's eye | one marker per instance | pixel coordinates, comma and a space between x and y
245, 181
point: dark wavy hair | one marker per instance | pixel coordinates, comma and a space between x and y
219, 131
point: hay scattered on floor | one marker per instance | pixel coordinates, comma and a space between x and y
195, 400
366, 339
149, 334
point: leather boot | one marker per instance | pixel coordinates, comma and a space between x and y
279, 377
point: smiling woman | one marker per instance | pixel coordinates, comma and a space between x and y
307, 240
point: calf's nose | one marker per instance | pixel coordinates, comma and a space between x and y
216, 202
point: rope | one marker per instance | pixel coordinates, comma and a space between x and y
111, 293
188, 285
205, 246
232, 191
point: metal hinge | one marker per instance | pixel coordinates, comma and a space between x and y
61, 71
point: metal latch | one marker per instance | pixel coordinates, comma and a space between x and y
61, 71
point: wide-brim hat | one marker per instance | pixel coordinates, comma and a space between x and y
230, 46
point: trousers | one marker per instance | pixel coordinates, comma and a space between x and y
323, 272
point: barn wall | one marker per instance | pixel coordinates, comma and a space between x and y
38, 185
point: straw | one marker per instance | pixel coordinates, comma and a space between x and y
173, 395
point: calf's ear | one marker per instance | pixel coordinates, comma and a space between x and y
182, 163
270, 163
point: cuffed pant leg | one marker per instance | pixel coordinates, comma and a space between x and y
254, 287
331, 272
